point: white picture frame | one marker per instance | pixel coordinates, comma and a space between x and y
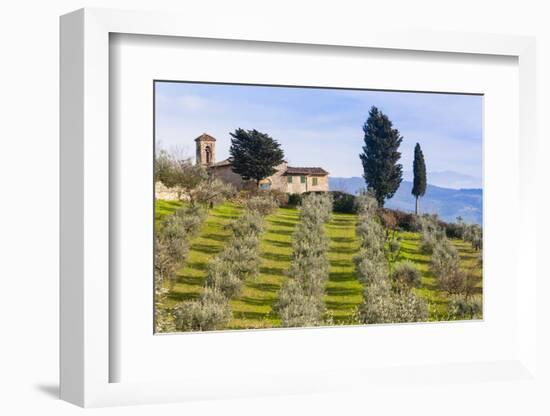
86, 356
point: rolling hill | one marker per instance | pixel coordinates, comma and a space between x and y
446, 202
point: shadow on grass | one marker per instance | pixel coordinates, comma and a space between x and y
342, 239
340, 306
183, 296
258, 316
205, 248
342, 277
264, 287
276, 243
341, 263
197, 265
282, 223
342, 250
216, 237
191, 280
280, 232
256, 301
272, 270
276, 256
342, 291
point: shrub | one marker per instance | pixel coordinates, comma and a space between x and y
280, 197
250, 223
371, 235
294, 200
377, 304
311, 272
343, 202
388, 218
223, 277
382, 305
243, 256
367, 206
406, 221
189, 220
264, 205
408, 307
473, 234
301, 297
406, 275
445, 265
296, 309
432, 233
381, 302
210, 312
461, 307
370, 270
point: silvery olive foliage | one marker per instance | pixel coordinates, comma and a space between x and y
405, 275
445, 259
445, 266
227, 272
370, 269
431, 231
473, 234
264, 204
465, 307
385, 300
300, 300
171, 249
189, 180
211, 311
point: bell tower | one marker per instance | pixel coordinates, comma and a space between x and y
206, 150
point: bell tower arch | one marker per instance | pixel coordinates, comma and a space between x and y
206, 150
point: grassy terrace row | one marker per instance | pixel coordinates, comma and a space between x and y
253, 309
438, 300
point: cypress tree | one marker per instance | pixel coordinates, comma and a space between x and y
254, 154
419, 172
381, 172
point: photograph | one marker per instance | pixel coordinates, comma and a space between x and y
298, 207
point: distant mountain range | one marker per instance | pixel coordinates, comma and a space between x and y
446, 202
449, 179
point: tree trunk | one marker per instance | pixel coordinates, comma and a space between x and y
416, 207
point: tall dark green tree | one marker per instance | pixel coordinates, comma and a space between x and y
254, 154
381, 171
419, 172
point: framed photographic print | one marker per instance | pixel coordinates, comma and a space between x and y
279, 213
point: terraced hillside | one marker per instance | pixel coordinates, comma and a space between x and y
254, 307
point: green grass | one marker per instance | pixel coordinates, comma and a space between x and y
343, 291
209, 242
254, 307
164, 208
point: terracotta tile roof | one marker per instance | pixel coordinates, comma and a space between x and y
305, 171
205, 137
225, 162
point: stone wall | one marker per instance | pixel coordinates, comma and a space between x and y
162, 192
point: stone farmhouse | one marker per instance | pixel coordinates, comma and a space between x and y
292, 180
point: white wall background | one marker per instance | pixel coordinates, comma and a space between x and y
29, 184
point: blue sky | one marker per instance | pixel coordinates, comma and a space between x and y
323, 127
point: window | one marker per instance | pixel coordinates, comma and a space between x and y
265, 184
289, 179
302, 179
314, 182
